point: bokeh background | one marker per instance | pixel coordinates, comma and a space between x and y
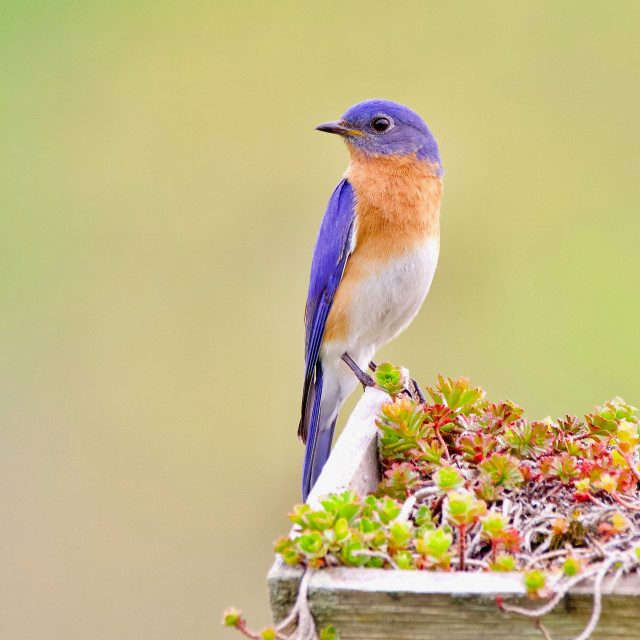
162, 186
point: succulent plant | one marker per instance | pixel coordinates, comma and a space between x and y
472, 461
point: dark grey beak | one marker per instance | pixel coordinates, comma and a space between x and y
337, 127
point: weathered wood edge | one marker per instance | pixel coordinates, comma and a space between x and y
424, 582
353, 463
369, 604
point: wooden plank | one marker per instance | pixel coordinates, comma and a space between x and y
372, 604
353, 463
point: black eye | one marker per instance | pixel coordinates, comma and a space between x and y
380, 124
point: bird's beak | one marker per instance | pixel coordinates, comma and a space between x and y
338, 127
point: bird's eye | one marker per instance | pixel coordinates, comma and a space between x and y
381, 124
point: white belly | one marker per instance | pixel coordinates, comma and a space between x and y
382, 306
386, 302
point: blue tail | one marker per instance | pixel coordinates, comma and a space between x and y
318, 439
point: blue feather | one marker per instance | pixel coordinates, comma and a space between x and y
329, 259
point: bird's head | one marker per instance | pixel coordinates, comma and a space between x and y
382, 127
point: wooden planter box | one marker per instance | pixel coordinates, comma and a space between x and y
369, 604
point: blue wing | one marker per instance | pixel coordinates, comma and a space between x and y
329, 259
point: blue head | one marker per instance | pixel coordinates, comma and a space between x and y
382, 127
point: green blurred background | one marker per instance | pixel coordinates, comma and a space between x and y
162, 186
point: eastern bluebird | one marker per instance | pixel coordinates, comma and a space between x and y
373, 261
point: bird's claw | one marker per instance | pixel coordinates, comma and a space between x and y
415, 392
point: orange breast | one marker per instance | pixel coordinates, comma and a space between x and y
397, 210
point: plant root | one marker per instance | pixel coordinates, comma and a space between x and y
300, 614
600, 572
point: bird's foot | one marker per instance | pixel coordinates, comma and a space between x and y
415, 392
373, 366
364, 378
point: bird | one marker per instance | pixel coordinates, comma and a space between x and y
373, 261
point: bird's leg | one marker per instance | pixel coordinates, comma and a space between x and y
365, 379
373, 366
415, 391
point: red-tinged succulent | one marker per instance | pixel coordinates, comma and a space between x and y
399, 537
428, 455
232, 617
535, 583
627, 482
439, 416
559, 526
603, 421
530, 473
506, 411
462, 510
627, 438
504, 470
606, 482
571, 426
448, 479
618, 523
496, 529
433, 548
475, 446
566, 443
496, 416
402, 429
486, 489
512, 540
582, 489
399, 480
457, 395
494, 526
504, 562
527, 439
563, 467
